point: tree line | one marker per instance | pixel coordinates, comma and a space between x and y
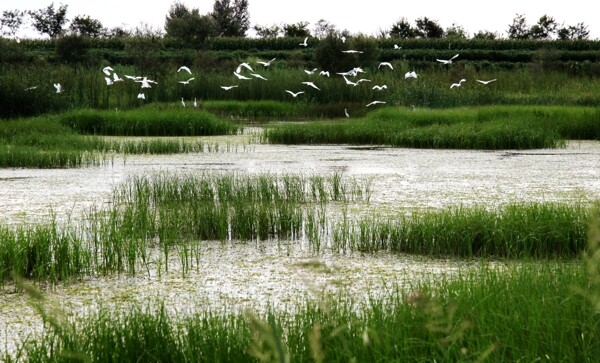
230, 18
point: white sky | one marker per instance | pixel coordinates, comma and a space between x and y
368, 18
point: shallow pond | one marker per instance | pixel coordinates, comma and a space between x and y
232, 275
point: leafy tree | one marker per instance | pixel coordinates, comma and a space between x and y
456, 32
519, 28
49, 20
189, 27
403, 29
272, 31
10, 22
427, 28
298, 30
545, 27
579, 32
86, 26
486, 34
72, 49
323, 28
231, 19
144, 48
116, 32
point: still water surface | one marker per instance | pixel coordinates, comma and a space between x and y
234, 275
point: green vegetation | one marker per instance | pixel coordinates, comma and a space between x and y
492, 128
528, 313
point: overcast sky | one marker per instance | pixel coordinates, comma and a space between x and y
368, 18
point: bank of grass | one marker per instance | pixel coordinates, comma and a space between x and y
513, 231
491, 128
147, 122
529, 312
51, 142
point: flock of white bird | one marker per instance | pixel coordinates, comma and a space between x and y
111, 77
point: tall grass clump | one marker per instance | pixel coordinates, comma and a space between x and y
537, 230
147, 122
528, 312
493, 128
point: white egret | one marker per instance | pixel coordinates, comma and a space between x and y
310, 72
375, 103
239, 76
30, 88
385, 64
350, 82
397, 47
305, 43
116, 78
457, 84
294, 94
227, 88
107, 70
187, 82
266, 64
182, 102
380, 88
346, 113
109, 82
134, 78
352, 51
195, 102
486, 82
447, 61
58, 87
245, 65
343, 39
184, 68
258, 76
324, 73
141, 96
410, 74
363, 80
312, 85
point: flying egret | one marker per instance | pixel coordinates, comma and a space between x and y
182, 102
346, 113
363, 80
266, 64
227, 88
397, 47
375, 103
486, 82
310, 72
258, 76
109, 82
447, 61
305, 43
58, 87
134, 78
380, 88
311, 84
184, 68
294, 94
141, 96
458, 84
245, 65
116, 78
351, 51
343, 39
107, 70
410, 74
324, 73
385, 64
350, 82
30, 88
187, 82
240, 76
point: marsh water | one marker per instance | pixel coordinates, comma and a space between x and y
236, 275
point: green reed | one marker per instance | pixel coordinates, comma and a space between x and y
528, 312
530, 230
497, 127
